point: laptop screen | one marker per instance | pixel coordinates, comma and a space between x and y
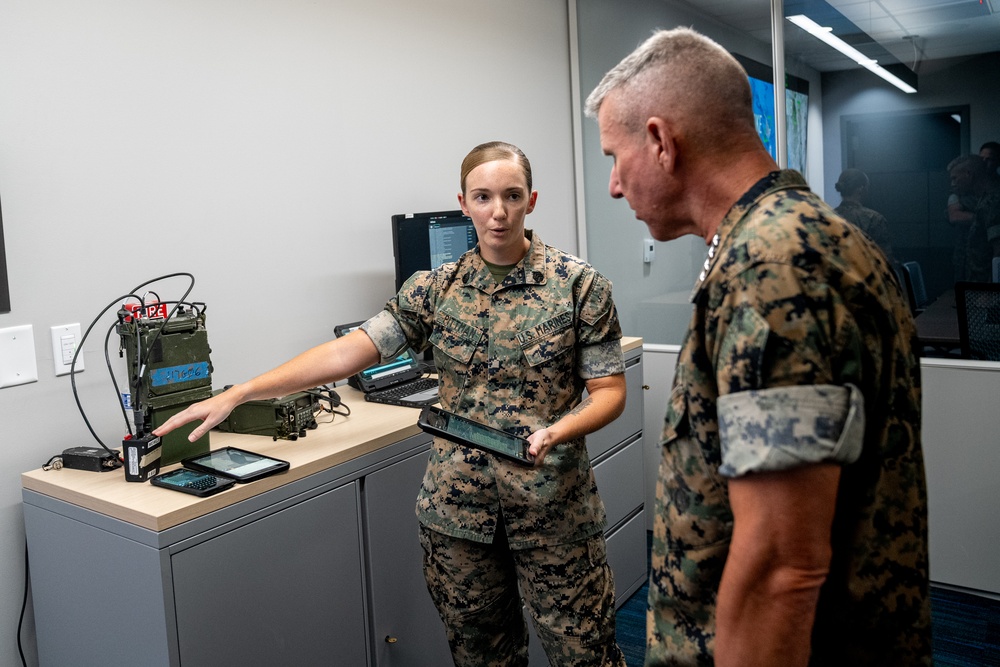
404, 367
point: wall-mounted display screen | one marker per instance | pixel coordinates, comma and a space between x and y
796, 111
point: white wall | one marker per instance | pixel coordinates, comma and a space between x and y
261, 146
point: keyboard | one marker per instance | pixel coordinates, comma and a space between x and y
416, 393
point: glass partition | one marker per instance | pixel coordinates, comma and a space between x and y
652, 296
838, 115
903, 142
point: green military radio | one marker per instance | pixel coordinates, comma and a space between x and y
287, 417
169, 368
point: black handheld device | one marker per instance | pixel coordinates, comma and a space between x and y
465, 431
237, 464
196, 483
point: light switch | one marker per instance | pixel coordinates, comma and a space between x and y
17, 356
65, 339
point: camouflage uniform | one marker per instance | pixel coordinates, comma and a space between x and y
869, 221
515, 356
984, 233
800, 350
959, 260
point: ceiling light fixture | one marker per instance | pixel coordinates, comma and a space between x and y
826, 35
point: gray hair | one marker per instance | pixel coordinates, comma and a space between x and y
679, 72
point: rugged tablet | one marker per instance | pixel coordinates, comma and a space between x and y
465, 431
235, 463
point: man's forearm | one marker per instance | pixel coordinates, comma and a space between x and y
778, 559
766, 619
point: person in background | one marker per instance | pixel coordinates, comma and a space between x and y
961, 212
961, 208
990, 152
971, 183
791, 505
519, 329
853, 188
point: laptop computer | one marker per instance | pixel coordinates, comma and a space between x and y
400, 381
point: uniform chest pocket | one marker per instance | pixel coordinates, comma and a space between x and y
549, 340
455, 338
694, 497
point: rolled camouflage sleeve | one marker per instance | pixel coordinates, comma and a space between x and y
404, 321
602, 360
600, 332
386, 333
785, 427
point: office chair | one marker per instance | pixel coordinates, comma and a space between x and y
979, 319
904, 282
915, 290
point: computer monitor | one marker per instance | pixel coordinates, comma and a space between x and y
424, 241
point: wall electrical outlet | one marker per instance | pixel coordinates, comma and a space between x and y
17, 356
65, 339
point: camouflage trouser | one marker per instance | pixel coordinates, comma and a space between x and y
569, 591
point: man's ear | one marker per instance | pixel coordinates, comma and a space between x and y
660, 136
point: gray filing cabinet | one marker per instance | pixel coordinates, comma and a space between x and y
325, 569
617, 455
276, 579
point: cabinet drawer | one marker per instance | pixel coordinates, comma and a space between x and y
628, 558
620, 482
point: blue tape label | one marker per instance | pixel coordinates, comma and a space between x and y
162, 377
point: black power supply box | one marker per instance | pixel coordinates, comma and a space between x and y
142, 457
93, 459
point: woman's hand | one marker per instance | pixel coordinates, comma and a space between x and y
541, 442
211, 412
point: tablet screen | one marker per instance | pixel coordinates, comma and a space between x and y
468, 432
237, 463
